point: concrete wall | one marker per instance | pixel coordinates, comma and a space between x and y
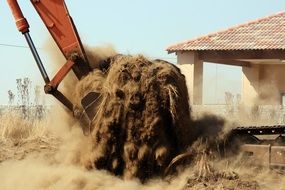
272, 84
192, 68
250, 84
263, 84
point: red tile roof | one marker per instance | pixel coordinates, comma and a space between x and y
264, 33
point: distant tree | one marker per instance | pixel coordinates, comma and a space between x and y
37, 95
11, 97
23, 87
39, 112
229, 99
30, 109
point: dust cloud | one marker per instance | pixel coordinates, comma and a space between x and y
55, 62
49, 157
143, 121
94, 54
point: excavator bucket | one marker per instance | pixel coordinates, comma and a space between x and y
89, 103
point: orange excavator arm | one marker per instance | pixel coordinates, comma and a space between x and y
59, 23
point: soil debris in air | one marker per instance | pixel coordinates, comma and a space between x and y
142, 118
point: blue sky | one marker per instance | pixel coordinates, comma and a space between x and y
133, 26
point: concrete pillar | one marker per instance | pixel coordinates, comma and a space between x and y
250, 84
192, 68
198, 82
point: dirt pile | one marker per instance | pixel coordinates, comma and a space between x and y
221, 180
142, 119
207, 172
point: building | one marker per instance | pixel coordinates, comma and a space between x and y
257, 46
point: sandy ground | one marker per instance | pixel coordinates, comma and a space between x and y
46, 159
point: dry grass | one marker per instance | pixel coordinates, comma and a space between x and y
21, 138
13, 127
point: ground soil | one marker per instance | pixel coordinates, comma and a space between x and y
47, 171
11, 150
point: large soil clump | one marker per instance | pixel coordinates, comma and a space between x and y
142, 119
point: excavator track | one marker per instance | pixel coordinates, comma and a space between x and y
260, 130
262, 151
270, 153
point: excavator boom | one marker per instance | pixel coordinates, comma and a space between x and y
59, 23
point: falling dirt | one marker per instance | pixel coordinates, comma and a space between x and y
142, 117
